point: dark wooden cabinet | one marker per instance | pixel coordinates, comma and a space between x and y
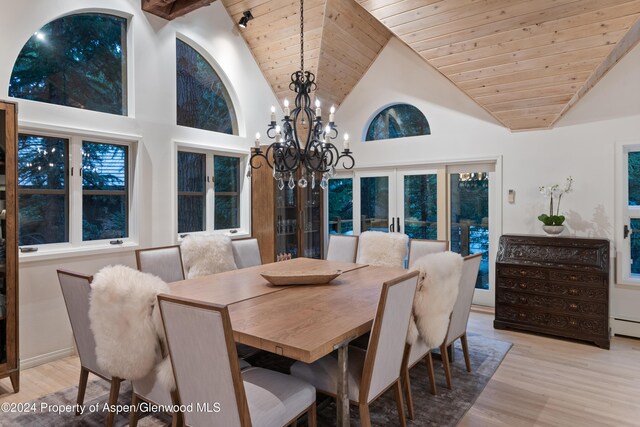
554, 285
287, 220
9, 362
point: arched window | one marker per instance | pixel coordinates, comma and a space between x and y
202, 99
398, 121
78, 61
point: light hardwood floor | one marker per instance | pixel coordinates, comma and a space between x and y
542, 382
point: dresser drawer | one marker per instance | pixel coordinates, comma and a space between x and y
577, 291
552, 303
507, 271
576, 277
564, 324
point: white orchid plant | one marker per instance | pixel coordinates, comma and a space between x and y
554, 192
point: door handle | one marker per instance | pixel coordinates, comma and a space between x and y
392, 225
627, 231
398, 226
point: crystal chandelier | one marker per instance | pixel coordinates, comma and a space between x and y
303, 141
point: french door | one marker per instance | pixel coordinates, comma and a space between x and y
452, 203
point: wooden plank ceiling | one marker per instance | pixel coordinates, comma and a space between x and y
526, 62
341, 41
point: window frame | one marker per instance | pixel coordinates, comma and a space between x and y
75, 244
373, 117
624, 213
244, 230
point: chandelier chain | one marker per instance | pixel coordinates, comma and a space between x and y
302, 36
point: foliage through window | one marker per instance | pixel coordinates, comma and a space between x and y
77, 61
104, 191
202, 99
43, 190
47, 177
195, 212
226, 172
398, 121
340, 206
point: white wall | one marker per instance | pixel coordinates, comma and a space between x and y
580, 145
44, 326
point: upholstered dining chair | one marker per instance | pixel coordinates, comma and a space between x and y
246, 252
76, 291
164, 262
421, 247
206, 370
342, 248
377, 369
382, 249
456, 328
460, 315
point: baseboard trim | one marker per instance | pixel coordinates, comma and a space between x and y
629, 328
46, 358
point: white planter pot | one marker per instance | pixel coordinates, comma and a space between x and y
553, 230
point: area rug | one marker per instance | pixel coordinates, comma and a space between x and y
445, 409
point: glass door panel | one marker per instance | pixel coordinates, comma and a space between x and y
287, 222
469, 206
340, 209
311, 221
418, 204
375, 203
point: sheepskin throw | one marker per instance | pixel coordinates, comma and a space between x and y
124, 318
436, 295
207, 254
382, 249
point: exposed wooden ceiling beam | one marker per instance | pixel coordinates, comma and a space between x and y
626, 43
171, 9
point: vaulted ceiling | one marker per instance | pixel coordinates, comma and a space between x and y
525, 61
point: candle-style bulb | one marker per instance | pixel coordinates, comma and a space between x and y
273, 114
278, 129
333, 109
273, 109
286, 108
318, 111
346, 136
346, 141
257, 135
286, 102
257, 142
317, 103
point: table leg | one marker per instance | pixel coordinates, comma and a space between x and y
342, 398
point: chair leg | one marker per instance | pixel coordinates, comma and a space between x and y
133, 417
399, 404
82, 387
365, 418
311, 415
465, 350
432, 376
113, 400
407, 391
445, 364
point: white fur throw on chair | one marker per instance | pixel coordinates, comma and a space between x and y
382, 249
207, 254
124, 319
436, 295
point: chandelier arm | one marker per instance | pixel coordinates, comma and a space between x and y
346, 157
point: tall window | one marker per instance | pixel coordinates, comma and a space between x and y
68, 198
340, 206
627, 231
77, 61
202, 99
105, 192
43, 190
398, 121
209, 191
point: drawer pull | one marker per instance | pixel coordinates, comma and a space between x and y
523, 286
573, 277
523, 300
522, 315
523, 272
573, 291
573, 306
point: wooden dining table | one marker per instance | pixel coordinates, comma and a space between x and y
302, 322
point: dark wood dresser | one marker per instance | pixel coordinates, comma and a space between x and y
554, 285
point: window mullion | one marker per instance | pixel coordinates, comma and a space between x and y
210, 185
75, 191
